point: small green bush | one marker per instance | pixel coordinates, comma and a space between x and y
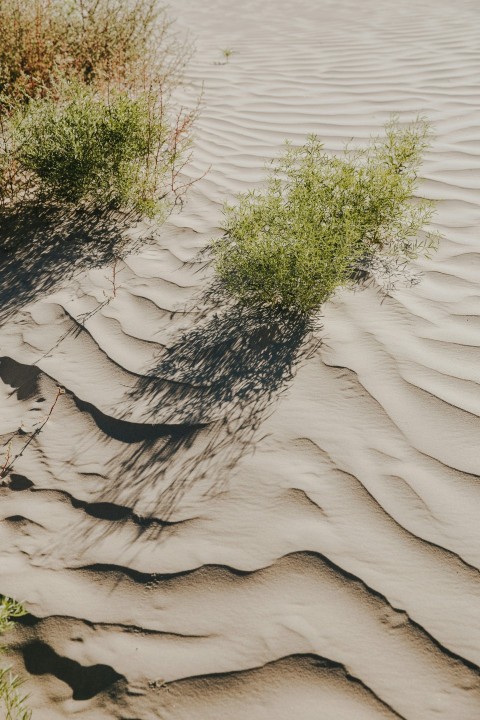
116, 151
325, 222
12, 701
100, 128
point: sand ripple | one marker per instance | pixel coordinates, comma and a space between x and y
287, 545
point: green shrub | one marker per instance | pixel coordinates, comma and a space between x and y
12, 701
106, 41
15, 184
118, 151
325, 222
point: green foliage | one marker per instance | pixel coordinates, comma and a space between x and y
9, 610
325, 222
99, 128
227, 52
118, 151
12, 698
15, 186
106, 41
12, 701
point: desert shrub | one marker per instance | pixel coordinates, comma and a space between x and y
100, 127
117, 151
107, 41
12, 700
15, 185
324, 222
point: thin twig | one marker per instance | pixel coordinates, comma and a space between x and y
7, 458
8, 465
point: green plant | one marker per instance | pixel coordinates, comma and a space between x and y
227, 53
11, 697
99, 128
12, 701
115, 151
325, 222
102, 41
9, 610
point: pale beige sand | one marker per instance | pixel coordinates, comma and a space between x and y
333, 572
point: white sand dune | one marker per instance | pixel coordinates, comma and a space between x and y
311, 548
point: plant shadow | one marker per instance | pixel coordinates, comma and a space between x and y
220, 378
203, 400
235, 356
39, 246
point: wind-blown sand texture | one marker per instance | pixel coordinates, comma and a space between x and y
200, 537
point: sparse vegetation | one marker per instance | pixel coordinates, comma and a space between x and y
325, 222
227, 53
119, 151
99, 129
12, 700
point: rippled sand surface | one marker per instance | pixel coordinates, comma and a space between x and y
309, 547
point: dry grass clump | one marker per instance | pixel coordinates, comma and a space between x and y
325, 222
120, 42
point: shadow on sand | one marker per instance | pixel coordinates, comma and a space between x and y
221, 378
204, 399
232, 358
39, 246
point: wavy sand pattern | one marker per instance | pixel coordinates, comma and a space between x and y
308, 547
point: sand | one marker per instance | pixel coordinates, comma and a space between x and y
310, 549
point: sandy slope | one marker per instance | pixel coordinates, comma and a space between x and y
333, 572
